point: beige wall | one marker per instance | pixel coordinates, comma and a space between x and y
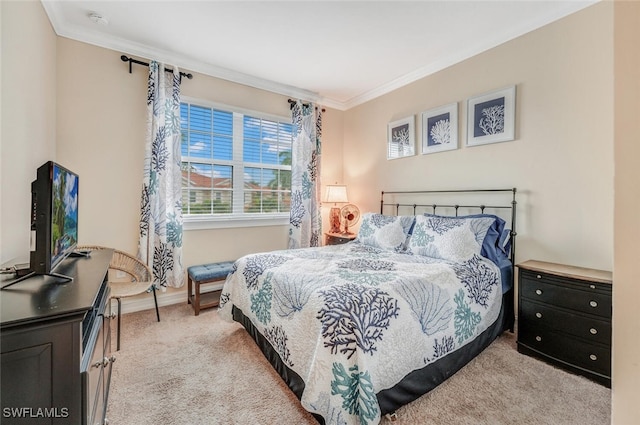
626, 290
28, 129
562, 158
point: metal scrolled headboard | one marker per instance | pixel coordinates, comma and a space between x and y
434, 206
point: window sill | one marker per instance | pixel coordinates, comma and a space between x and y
230, 221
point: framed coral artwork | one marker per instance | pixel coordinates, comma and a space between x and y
401, 138
440, 129
491, 117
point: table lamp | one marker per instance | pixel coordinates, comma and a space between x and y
336, 193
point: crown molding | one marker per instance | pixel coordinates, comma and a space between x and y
64, 29
480, 46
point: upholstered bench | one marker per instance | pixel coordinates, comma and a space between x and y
205, 274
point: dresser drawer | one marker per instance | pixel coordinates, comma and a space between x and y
92, 376
589, 328
591, 357
571, 294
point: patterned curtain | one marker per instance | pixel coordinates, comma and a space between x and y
160, 243
305, 222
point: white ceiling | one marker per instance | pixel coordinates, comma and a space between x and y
338, 53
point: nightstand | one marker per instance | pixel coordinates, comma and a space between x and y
338, 238
564, 317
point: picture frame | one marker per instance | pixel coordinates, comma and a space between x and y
491, 117
401, 138
440, 129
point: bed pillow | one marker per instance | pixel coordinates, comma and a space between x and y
385, 231
496, 244
454, 239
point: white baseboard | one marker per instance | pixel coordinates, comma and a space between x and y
131, 305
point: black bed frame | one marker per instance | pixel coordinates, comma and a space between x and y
434, 206
420, 381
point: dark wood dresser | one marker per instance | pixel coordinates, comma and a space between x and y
564, 317
56, 347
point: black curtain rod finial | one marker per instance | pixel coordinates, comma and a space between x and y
292, 102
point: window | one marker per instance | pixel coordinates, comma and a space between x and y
235, 164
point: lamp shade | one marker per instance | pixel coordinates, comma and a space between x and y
336, 193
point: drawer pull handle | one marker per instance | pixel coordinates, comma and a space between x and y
538, 291
593, 303
593, 357
592, 286
112, 359
539, 315
593, 331
538, 277
538, 338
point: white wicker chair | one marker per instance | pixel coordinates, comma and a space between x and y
128, 276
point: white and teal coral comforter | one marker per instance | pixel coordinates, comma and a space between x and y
353, 320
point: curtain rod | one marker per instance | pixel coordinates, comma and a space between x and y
132, 61
292, 102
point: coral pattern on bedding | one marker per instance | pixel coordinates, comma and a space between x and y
449, 238
353, 319
385, 231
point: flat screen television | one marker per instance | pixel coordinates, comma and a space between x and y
54, 227
54, 219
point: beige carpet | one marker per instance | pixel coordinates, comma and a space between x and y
201, 370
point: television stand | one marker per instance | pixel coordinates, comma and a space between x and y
55, 346
64, 278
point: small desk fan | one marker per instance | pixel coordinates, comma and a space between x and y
349, 216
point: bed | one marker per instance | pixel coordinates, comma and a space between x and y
360, 329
